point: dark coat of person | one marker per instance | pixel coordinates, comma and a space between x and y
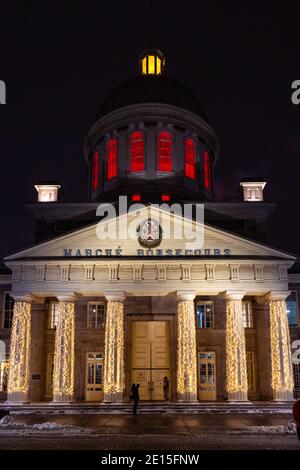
135, 392
296, 413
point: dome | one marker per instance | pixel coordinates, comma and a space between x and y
151, 89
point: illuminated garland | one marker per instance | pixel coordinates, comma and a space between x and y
282, 374
19, 367
63, 374
236, 366
114, 352
186, 351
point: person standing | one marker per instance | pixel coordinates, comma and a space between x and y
296, 414
135, 396
166, 388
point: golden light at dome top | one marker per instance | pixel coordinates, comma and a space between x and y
152, 62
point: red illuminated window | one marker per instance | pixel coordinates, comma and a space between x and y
190, 158
137, 151
112, 158
165, 151
165, 197
207, 171
136, 197
95, 171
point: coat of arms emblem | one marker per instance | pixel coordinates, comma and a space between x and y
150, 233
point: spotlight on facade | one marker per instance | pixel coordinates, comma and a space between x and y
47, 192
253, 189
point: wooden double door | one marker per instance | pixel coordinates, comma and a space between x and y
150, 358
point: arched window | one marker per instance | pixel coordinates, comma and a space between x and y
165, 151
112, 158
95, 171
137, 151
207, 171
190, 158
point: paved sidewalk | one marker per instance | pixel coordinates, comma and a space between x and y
149, 432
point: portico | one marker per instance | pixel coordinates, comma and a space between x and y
200, 303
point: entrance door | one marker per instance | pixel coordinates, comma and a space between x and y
207, 376
94, 376
150, 358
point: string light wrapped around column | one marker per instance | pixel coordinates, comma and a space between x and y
186, 349
236, 365
19, 365
63, 374
114, 349
282, 373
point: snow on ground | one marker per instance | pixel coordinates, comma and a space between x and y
8, 423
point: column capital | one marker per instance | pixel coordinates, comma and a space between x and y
185, 295
28, 298
277, 295
66, 296
234, 294
115, 296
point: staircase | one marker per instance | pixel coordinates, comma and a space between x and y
149, 408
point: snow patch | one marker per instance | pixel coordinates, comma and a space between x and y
12, 424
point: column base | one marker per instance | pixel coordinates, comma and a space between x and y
187, 397
63, 398
283, 395
113, 397
238, 396
17, 397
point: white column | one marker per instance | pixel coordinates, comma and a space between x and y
186, 348
19, 363
63, 373
281, 361
114, 382
236, 366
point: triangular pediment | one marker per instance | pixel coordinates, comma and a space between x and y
175, 231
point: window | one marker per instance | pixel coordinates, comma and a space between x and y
53, 315
250, 361
4, 367
95, 171
247, 314
296, 370
207, 171
137, 151
292, 311
205, 315
190, 158
165, 151
96, 315
49, 375
112, 158
8, 310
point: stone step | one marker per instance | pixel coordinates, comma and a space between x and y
150, 408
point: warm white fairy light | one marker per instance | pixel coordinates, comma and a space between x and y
236, 366
186, 351
114, 351
63, 374
18, 378
282, 374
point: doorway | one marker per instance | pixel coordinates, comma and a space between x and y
94, 376
207, 376
150, 358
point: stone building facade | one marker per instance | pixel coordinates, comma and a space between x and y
84, 317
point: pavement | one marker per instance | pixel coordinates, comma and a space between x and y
149, 432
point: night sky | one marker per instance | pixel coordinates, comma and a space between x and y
59, 61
